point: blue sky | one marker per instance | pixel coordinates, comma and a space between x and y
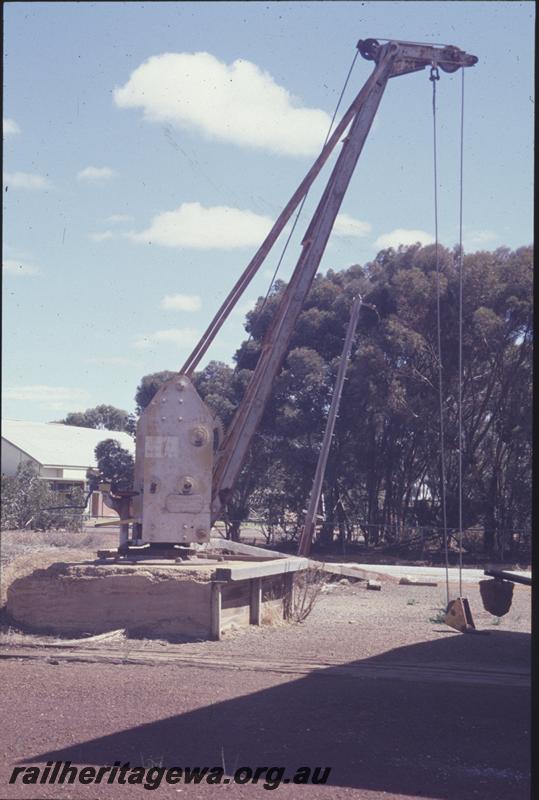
148, 146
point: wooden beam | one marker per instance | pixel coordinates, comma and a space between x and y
277, 567
349, 571
215, 611
508, 576
255, 607
245, 549
412, 581
114, 521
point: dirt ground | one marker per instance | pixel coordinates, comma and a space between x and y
372, 684
21, 552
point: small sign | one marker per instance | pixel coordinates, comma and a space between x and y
162, 446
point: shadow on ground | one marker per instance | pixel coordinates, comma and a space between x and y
437, 739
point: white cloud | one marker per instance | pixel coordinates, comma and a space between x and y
192, 225
237, 103
345, 225
95, 174
57, 398
25, 180
17, 266
9, 127
101, 236
405, 237
478, 238
181, 302
115, 219
180, 337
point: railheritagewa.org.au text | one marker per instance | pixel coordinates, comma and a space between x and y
64, 772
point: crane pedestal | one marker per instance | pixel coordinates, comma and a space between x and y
143, 552
155, 598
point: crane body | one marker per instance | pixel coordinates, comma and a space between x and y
183, 474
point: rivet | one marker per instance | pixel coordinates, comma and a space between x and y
180, 419
163, 418
180, 400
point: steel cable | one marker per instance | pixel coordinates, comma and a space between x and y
434, 77
461, 264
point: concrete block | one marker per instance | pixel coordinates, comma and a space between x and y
87, 598
154, 600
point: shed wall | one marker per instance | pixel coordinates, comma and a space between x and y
11, 458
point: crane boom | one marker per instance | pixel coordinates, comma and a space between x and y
178, 491
274, 347
255, 263
394, 58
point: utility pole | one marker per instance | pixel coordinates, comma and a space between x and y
308, 528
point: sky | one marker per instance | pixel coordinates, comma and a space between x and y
148, 148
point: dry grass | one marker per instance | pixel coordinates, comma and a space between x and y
272, 612
39, 559
15, 543
22, 552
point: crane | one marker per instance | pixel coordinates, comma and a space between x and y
184, 474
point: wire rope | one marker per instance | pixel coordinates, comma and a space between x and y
461, 265
434, 77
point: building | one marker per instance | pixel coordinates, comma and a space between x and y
61, 453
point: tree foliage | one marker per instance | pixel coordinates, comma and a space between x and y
29, 502
115, 464
148, 387
383, 474
102, 417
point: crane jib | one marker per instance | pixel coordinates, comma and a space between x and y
391, 59
181, 479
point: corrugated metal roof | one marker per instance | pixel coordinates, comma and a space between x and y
53, 444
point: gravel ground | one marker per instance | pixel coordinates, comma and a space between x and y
350, 622
391, 734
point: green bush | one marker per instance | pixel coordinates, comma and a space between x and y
28, 502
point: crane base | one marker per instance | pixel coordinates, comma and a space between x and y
195, 599
152, 550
